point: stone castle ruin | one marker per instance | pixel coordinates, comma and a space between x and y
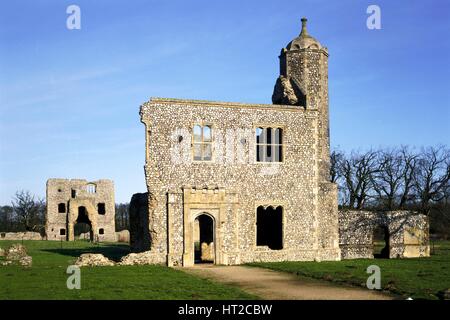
232, 183
78, 203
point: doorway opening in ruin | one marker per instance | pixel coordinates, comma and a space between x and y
380, 242
83, 227
269, 227
204, 251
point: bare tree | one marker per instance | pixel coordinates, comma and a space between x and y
29, 212
122, 216
409, 160
357, 171
6, 218
432, 175
336, 159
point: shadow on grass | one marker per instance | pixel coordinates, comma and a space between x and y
111, 252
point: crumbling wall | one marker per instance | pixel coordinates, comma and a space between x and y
65, 196
408, 233
20, 236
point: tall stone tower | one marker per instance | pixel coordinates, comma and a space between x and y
303, 81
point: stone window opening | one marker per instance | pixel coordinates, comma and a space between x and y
380, 242
62, 232
202, 143
101, 231
101, 208
61, 208
269, 144
74, 193
91, 188
269, 227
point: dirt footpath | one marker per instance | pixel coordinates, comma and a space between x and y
269, 284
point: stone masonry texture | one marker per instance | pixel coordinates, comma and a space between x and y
232, 185
66, 199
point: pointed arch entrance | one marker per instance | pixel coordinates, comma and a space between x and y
82, 216
83, 224
204, 251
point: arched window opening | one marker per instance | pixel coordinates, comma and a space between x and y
269, 227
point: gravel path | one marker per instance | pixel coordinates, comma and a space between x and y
274, 285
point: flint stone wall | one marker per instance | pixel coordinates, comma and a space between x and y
61, 191
408, 233
21, 236
232, 192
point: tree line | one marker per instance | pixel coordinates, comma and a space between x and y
27, 213
391, 179
400, 178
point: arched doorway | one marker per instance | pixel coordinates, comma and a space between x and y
83, 226
380, 242
204, 251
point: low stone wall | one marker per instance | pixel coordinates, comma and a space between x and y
408, 233
28, 235
123, 236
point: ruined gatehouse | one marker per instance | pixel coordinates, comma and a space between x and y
77, 201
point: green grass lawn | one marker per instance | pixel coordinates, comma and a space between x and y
46, 279
419, 278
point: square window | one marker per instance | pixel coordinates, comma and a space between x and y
101, 208
269, 144
62, 232
62, 208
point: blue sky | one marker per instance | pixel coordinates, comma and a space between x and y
69, 99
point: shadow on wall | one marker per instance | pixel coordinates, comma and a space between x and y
114, 253
140, 236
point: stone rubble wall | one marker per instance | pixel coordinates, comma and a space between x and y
16, 254
28, 235
93, 260
123, 236
60, 191
408, 233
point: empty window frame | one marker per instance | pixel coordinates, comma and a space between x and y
101, 208
62, 232
91, 188
101, 231
269, 227
202, 143
269, 144
61, 208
